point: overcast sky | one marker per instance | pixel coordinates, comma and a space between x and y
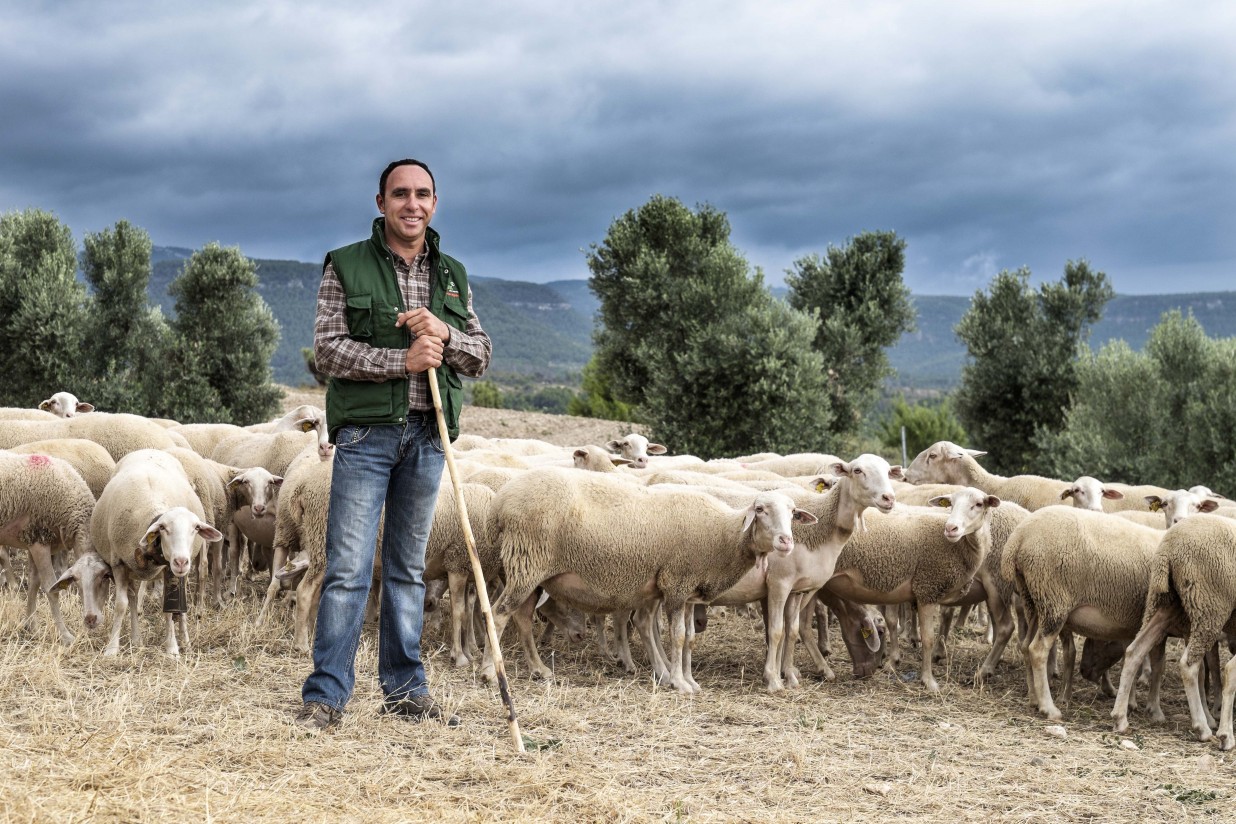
989, 135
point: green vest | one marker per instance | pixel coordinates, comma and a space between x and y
367, 272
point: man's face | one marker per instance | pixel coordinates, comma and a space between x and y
408, 203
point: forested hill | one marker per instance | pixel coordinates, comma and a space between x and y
545, 330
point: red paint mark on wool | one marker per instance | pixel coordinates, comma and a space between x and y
39, 461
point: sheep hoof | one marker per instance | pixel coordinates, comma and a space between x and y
111, 651
1226, 742
1202, 733
543, 674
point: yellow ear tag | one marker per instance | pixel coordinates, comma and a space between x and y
306, 426
1155, 506
944, 503
866, 632
820, 486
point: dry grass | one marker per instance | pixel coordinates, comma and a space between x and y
141, 737
208, 737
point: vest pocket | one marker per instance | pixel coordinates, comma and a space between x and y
359, 314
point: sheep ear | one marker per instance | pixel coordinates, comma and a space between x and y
870, 633
298, 564
277, 480
84, 407
943, 501
749, 518
896, 473
823, 483
69, 576
540, 602
614, 446
580, 453
1113, 494
840, 469
992, 501
1155, 502
209, 534
1066, 494
621, 461
46, 405
235, 478
656, 449
1208, 505
804, 517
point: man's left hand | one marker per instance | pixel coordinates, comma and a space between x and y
423, 322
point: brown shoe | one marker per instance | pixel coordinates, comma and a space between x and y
316, 717
418, 708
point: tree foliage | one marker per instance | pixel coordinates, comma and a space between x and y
693, 341
231, 332
925, 424
43, 307
1162, 416
864, 306
1023, 344
595, 398
486, 394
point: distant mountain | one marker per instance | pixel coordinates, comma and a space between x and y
544, 331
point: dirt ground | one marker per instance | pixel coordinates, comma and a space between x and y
208, 737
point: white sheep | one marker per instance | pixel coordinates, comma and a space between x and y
798, 463
13, 413
1089, 493
1078, 571
204, 437
602, 545
65, 405
635, 448
45, 507
303, 418
274, 451
917, 555
148, 517
944, 462
118, 433
1191, 592
90, 459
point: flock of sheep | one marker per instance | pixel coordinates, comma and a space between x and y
627, 536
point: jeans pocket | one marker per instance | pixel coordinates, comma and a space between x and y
351, 435
433, 435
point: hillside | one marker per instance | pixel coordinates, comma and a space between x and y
544, 331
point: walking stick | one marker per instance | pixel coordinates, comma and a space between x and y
478, 575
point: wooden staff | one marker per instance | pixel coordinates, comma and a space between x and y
478, 575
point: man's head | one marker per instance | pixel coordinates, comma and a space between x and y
407, 199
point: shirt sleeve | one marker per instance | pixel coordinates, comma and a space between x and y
337, 354
469, 351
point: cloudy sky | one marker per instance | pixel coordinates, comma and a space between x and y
989, 135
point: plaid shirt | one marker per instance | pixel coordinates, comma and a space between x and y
340, 356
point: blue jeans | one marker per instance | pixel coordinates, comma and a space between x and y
398, 465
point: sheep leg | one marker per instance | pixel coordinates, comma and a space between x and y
170, 647
501, 614
1152, 635
231, 561
10, 578
688, 647
121, 578
523, 623
789, 646
823, 621
1227, 737
892, 620
928, 626
457, 582
1191, 659
1068, 646
1001, 628
43, 578
1213, 687
603, 647
1037, 652
812, 606
646, 624
676, 616
774, 609
308, 593
622, 635
278, 560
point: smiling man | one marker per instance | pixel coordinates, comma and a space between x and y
389, 308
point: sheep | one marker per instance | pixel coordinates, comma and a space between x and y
862, 630
635, 448
118, 433
1191, 592
1178, 505
303, 418
1089, 493
601, 544
204, 437
10, 413
148, 518
90, 459
800, 463
596, 459
65, 405
1078, 571
93, 578
917, 555
45, 507
274, 451
789, 579
945, 462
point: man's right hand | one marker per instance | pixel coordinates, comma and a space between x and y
426, 351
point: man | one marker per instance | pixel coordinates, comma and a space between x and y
388, 309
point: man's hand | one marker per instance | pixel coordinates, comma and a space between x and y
422, 323
426, 351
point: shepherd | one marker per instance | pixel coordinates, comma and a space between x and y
392, 311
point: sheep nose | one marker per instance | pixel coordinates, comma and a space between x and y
640, 463
888, 499
180, 567
92, 620
259, 510
326, 451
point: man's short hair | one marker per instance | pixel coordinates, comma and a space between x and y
395, 164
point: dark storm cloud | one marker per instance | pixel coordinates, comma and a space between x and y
988, 137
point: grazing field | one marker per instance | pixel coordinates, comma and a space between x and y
208, 737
